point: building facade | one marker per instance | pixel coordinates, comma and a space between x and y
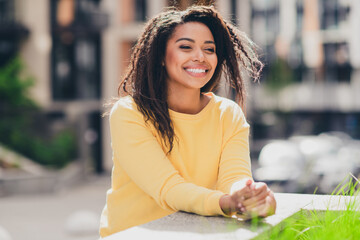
311, 78
77, 51
60, 43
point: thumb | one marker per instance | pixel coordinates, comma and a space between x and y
249, 182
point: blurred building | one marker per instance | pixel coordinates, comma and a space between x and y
12, 31
312, 76
312, 72
60, 42
78, 49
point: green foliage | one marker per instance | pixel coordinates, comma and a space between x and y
314, 224
318, 225
14, 87
23, 127
55, 151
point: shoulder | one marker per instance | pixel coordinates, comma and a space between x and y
232, 117
228, 109
125, 108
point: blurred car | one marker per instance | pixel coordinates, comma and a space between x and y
309, 163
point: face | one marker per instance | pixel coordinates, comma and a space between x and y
190, 57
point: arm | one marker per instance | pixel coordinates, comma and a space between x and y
235, 172
235, 157
137, 151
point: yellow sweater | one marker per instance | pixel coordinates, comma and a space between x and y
210, 154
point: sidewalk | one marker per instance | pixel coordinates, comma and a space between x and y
45, 217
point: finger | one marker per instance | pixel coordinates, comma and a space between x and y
261, 210
255, 191
257, 211
271, 202
260, 187
250, 190
240, 185
249, 182
261, 196
265, 209
240, 208
254, 205
241, 194
237, 206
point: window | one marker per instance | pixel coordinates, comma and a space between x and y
76, 28
265, 25
140, 10
333, 14
234, 11
11, 31
336, 65
6, 11
76, 67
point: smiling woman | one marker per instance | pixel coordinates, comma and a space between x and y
176, 145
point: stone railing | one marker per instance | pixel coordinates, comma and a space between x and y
182, 225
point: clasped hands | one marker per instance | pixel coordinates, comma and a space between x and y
248, 199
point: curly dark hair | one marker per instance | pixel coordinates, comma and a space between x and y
145, 78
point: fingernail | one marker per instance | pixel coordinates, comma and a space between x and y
242, 209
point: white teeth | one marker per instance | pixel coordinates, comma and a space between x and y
196, 70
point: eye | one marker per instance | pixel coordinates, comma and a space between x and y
185, 47
210, 50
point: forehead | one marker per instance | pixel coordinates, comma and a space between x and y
193, 30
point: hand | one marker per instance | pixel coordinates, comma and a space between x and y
231, 204
261, 203
249, 199
267, 208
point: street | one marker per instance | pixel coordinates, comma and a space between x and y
68, 214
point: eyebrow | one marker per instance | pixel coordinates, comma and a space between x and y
191, 40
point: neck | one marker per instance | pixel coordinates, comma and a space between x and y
188, 101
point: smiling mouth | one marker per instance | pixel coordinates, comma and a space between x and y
196, 70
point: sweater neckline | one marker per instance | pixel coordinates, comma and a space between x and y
174, 114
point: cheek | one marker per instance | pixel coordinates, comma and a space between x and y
214, 62
171, 59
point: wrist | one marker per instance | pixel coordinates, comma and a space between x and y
225, 204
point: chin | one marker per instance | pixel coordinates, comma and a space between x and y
198, 86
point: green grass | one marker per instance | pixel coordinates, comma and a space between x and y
315, 224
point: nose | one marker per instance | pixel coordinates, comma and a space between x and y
199, 55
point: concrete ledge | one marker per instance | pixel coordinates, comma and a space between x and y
183, 225
30, 178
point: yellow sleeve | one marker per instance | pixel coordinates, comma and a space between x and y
235, 157
138, 152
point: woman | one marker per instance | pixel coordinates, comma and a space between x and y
176, 145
